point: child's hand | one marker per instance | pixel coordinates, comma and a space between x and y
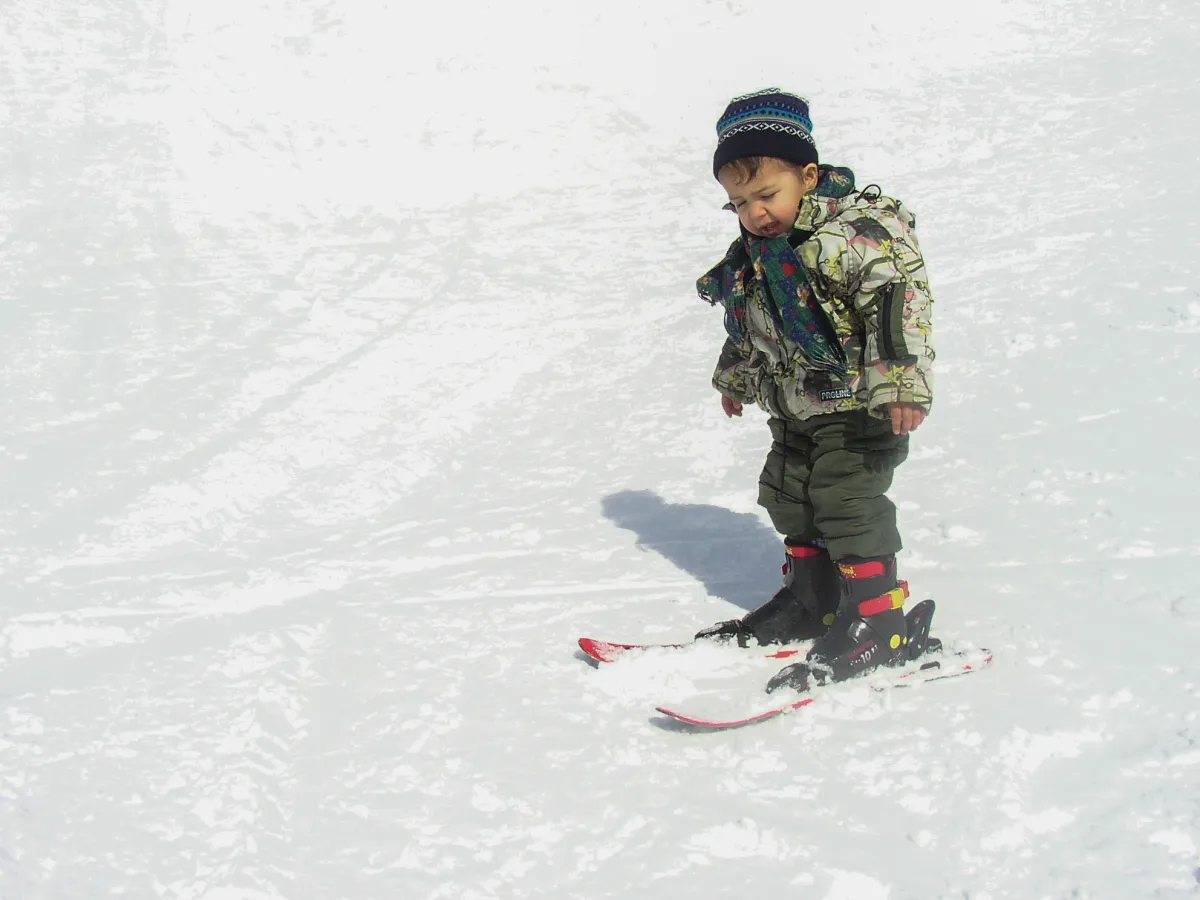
906, 417
732, 407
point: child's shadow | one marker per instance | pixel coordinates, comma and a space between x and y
733, 555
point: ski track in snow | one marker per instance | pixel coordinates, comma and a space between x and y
353, 370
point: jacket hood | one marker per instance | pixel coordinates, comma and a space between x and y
833, 193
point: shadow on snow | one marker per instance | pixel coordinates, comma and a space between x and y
734, 555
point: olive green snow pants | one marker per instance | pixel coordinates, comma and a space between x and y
825, 477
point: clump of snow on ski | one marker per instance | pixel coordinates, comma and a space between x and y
677, 676
607, 651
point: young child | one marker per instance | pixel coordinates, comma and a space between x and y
827, 312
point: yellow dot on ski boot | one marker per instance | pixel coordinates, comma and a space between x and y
895, 641
827, 619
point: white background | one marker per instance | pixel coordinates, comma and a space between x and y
353, 368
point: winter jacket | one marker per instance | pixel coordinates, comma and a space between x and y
864, 265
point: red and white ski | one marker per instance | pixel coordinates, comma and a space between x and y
932, 667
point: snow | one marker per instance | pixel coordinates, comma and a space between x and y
353, 370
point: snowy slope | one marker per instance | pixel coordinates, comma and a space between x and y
353, 369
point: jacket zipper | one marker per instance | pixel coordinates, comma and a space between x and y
886, 335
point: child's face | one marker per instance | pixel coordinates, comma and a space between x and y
769, 202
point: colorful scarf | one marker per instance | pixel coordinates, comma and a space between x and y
784, 282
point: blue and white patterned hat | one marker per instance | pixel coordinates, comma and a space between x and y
769, 122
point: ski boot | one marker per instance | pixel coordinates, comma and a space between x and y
801, 610
869, 629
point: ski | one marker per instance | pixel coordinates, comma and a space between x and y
607, 651
934, 666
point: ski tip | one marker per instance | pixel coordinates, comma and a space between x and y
601, 651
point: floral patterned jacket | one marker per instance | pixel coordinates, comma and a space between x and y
859, 250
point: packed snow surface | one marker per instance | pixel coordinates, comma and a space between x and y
353, 368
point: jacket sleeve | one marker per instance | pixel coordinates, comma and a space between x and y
735, 376
878, 262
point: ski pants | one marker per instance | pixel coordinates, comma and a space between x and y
826, 478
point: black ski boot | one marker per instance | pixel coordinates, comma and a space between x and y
801, 610
869, 630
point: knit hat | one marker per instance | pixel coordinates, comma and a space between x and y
769, 122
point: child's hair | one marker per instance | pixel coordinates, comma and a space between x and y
746, 167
